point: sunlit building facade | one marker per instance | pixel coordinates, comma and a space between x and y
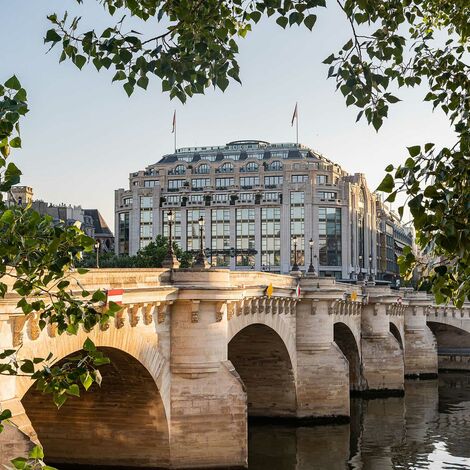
259, 202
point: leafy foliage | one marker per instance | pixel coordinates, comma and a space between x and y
393, 44
37, 261
151, 256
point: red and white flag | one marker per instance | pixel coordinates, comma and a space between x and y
297, 290
114, 295
174, 123
295, 115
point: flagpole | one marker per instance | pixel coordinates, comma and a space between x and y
297, 125
175, 131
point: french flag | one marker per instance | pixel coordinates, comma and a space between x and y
114, 295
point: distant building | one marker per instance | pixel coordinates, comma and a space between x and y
392, 237
258, 200
92, 222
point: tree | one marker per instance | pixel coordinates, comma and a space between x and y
37, 260
394, 44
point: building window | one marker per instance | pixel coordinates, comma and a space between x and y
271, 197
251, 166
297, 214
220, 242
270, 237
178, 170
245, 237
192, 229
146, 202
127, 201
322, 179
299, 178
329, 228
199, 184
327, 194
124, 233
146, 217
176, 228
174, 185
202, 169
221, 198
199, 198
279, 154
150, 183
225, 168
274, 166
247, 182
272, 181
173, 200
222, 183
246, 197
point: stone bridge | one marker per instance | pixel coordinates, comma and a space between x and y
194, 352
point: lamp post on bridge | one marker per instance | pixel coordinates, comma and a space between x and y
97, 248
170, 260
201, 260
360, 276
311, 268
371, 277
295, 266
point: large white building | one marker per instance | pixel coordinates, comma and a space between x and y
258, 201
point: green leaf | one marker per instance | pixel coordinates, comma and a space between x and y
79, 61
310, 21
13, 83
129, 88
36, 453
27, 367
73, 390
86, 380
52, 36
387, 184
143, 82
282, 21
414, 151
20, 463
88, 345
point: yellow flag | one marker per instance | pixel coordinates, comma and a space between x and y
269, 290
354, 296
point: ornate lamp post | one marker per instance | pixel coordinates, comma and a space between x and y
201, 261
311, 268
295, 267
359, 275
371, 277
97, 248
170, 260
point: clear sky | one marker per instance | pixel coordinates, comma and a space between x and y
84, 136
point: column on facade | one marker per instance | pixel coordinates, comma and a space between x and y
308, 223
345, 242
420, 343
285, 231
258, 237
322, 370
382, 356
134, 223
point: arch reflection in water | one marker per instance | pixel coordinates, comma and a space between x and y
428, 428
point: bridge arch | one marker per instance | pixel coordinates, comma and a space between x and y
347, 343
396, 333
450, 336
262, 359
123, 423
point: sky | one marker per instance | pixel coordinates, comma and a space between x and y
83, 135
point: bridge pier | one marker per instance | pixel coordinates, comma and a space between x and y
322, 369
382, 356
420, 344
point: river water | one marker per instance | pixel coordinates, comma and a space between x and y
428, 428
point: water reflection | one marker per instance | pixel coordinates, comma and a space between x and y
429, 428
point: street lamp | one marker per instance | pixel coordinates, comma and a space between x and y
170, 260
201, 261
359, 276
371, 278
295, 267
97, 248
311, 268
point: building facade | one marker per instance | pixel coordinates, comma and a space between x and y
91, 221
261, 203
